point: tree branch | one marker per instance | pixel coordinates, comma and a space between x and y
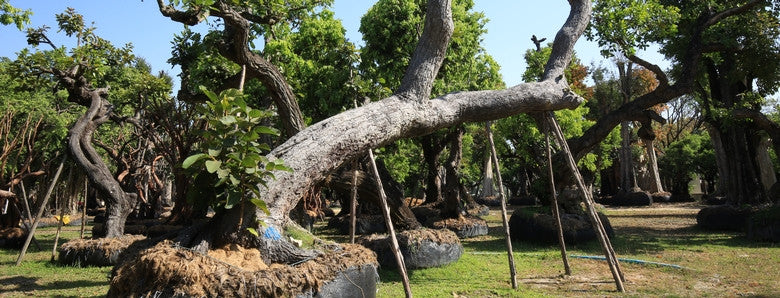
563, 46
428, 55
660, 75
730, 12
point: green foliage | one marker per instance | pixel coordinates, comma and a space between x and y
623, 26
12, 15
692, 154
231, 151
318, 62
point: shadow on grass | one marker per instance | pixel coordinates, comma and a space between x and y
25, 283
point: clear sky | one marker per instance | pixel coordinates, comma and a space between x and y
139, 22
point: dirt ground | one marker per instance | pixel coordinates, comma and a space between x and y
714, 264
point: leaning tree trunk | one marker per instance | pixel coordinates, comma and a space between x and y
410, 113
119, 203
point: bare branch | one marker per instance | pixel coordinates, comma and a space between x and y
660, 75
731, 12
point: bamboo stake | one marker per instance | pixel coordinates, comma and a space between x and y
84, 209
494, 156
40, 210
588, 200
57, 235
27, 226
353, 203
29, 214
394, 241
26, 204
555, 211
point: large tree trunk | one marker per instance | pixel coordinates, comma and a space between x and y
432, 148
119, 202
488, 188
452, 188
652, 167
626, 159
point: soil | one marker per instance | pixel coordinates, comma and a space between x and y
172, 270
95, 252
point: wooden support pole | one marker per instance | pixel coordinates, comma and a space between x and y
510, 255
353, 203
399, 258
84, 209
27, 226
555, 211
40, 210
614, 266
57, 235
29, 217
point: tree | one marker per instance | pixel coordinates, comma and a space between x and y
406, 113
94, 61
627, 25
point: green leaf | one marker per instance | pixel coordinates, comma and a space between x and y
192, 159
213, 165
261, 205
228, 120
215, 152
232, 199
211, 95
267, 130
253, 231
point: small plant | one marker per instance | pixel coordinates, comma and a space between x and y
232, 150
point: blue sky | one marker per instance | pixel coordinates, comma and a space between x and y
509, 30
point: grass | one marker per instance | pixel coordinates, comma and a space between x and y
718, 264
36, 276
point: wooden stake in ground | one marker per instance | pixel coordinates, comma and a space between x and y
399, 258
29, 217
84, 209
27, 226
40, 210
57, 235
606, 245
353, 203
510, 255
555, 212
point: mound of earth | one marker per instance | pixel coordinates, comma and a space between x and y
95, 252
167, 270
764, 225
723, 218
524, 201
638, 198
12, 237
489, 201
463, 226
421, 248
364, 224
541, 228
662, 197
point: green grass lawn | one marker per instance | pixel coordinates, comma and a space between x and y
718, 264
